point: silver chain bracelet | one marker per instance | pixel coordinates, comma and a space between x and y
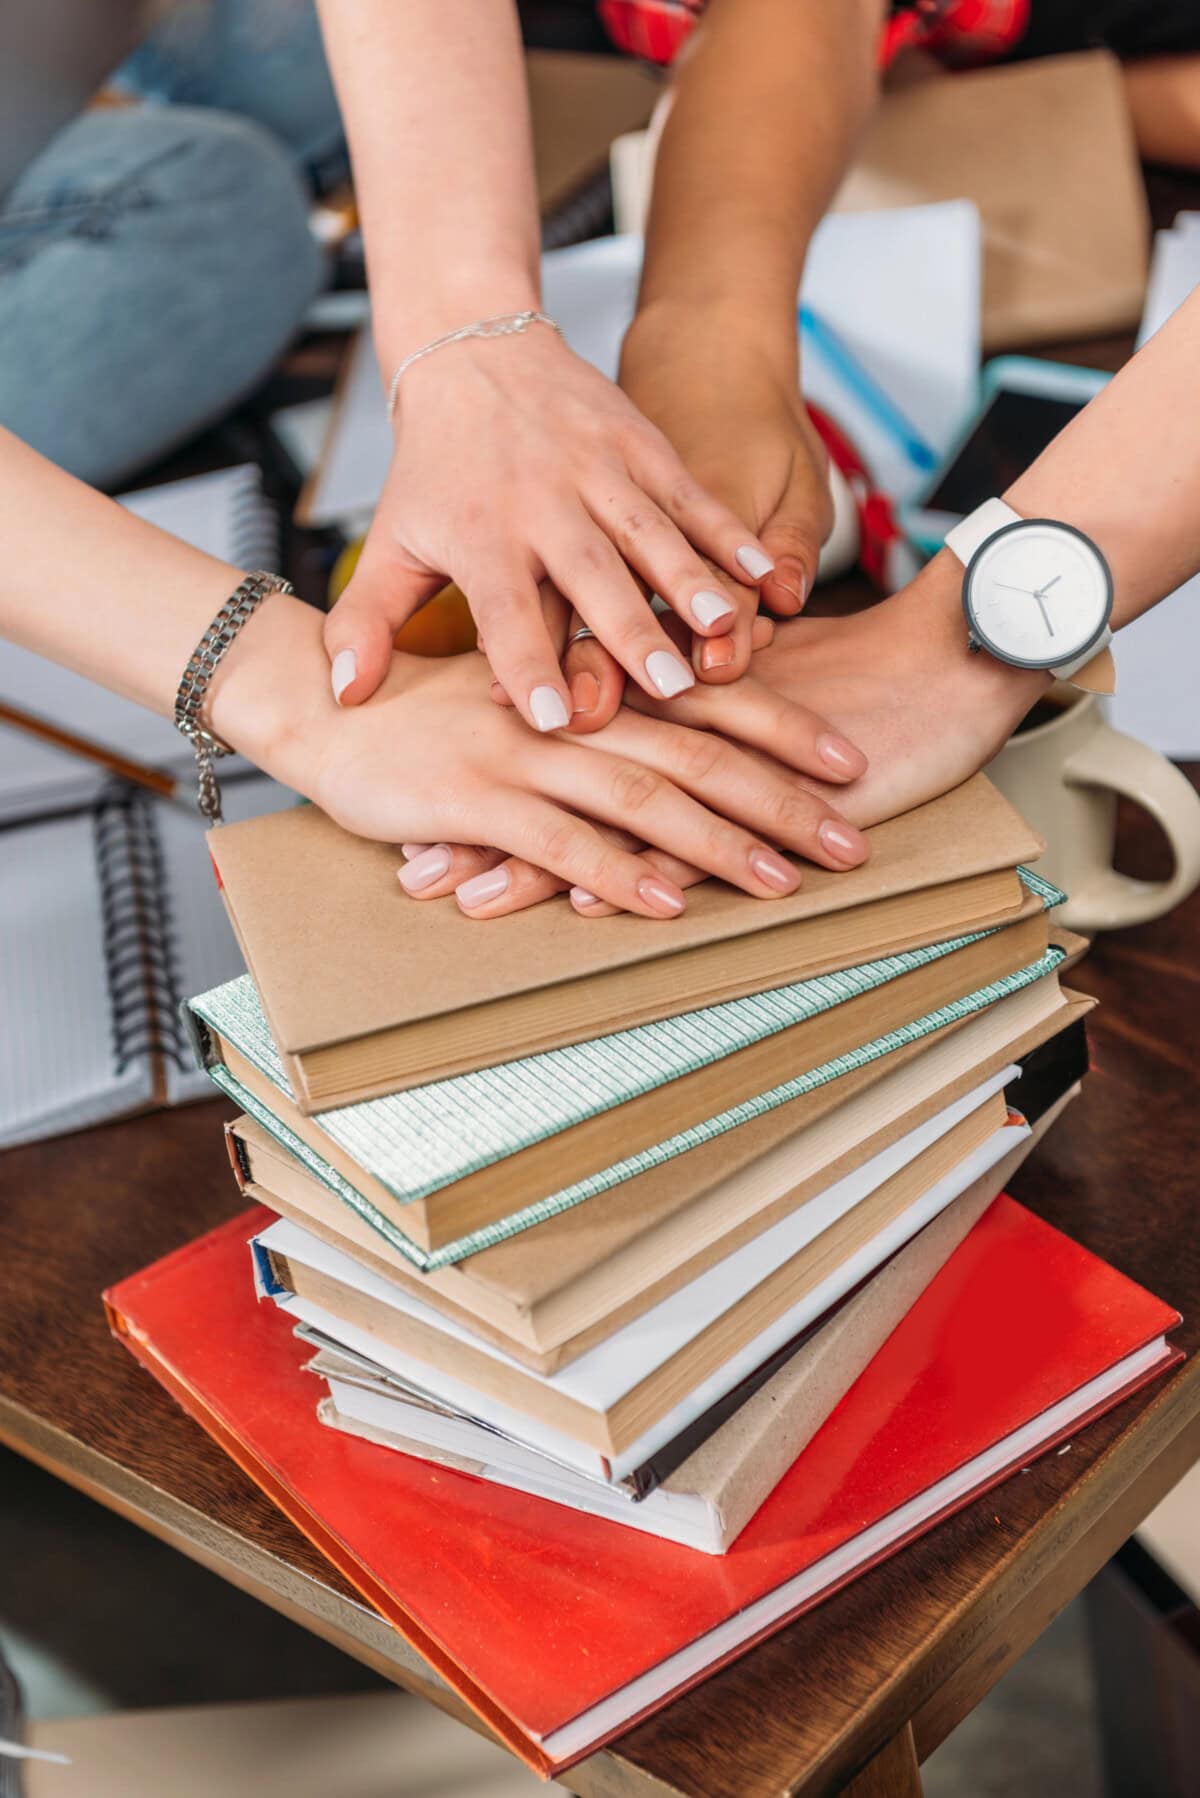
202, 664
505, 324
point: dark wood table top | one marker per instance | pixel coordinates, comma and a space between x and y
806, 1709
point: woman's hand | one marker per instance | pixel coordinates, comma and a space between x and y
516, 460
898, 679
727, 397
433, 760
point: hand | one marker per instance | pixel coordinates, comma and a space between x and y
515, 460
899, 680
433, 760
728, 400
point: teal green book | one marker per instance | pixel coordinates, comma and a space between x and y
417, 1142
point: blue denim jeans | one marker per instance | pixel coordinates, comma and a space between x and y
155, 260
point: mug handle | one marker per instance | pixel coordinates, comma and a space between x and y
1111, 900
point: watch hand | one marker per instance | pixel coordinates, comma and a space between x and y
1044, 612
1027, 591
1042, 591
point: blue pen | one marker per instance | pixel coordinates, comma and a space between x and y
866, 388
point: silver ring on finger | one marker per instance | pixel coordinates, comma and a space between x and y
585, 630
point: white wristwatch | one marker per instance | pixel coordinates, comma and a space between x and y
1036, 593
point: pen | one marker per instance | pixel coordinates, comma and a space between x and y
866, 388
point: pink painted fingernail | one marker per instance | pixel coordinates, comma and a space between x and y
424, 869
669, 674
410, 851
773, 871
757, 565
654, 893
708, 607
581, 896
841, 756
842, 841
343, 671
483, 889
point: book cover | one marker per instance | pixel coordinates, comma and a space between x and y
399, 994
560, 1629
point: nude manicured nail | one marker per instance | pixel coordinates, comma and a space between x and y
343, 671
581, 896
791, 577
410, 851
843, 841
841, 756
653, 893
707, 607
424, 869
483, 889
549, 709
669, 674
718, 652
773, 871
753, 560
585, 694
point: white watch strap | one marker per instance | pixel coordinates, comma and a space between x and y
965, 537
1064, 670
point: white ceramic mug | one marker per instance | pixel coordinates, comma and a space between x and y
1064, 775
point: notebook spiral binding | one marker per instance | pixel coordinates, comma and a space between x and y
141, 963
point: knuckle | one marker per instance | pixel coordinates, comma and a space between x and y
635, 524
697, 757
589, 558
791, 814
553, 841
634, 788
684, 494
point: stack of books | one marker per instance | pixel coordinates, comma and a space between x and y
615, 1290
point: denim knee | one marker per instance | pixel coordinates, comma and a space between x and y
153, 264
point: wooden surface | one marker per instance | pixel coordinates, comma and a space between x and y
915, 1642
921, 1637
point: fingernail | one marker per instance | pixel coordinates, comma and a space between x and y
718, 652
581, 896
841, 756
423, 870
652, 892
410, 851
585, 693
843, 841
708, 607
549, 709
791, 577
669, 674
343, 671
756, 564
773, 871
484, 887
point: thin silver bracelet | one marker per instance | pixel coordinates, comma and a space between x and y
202, 664
505, 324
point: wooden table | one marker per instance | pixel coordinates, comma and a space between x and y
868, 1683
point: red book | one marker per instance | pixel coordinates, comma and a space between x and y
561, 1629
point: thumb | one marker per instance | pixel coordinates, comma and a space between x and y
382, 594
793, 536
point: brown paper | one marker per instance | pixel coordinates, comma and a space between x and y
1046, 151
367, 991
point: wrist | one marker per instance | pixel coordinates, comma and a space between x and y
735, 329
931, 606
270, 697
413, 320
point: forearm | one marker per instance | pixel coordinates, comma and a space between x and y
436, 111
87, 584
1127, 469
768, 106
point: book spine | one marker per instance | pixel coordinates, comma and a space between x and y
254, 531
141, 965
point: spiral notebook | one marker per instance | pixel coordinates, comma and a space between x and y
226, 514
108, 917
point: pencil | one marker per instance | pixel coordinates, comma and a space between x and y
152, 778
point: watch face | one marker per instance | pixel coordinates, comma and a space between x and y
1037, 593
